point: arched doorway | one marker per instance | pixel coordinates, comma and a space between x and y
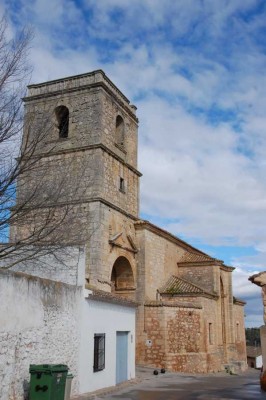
122, 278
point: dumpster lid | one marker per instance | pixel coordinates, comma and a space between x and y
48, 368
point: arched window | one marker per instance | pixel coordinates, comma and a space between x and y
120, 130
62, 116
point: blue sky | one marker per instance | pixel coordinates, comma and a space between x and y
196, 71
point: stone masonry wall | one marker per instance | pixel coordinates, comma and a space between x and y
63, 178
160, 260
80, 177
39, 324
111, 109
101, 254
239, 333
82, 218
203, 276
127, 199
85, 110
226, 283
92, 119
175, 335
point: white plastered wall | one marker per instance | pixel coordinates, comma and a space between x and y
107, 318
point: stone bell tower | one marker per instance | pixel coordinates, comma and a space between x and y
86, 137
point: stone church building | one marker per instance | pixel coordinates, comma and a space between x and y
87, 131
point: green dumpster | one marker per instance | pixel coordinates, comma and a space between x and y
68, 386
47, 381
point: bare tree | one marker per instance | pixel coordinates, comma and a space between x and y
14, 72
37, 214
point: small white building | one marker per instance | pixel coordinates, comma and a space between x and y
254, 357
107, 350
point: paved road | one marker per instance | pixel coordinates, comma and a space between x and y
192, 387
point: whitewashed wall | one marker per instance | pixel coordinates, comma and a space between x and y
258, 361
67, 265
45, 321
103, 317
39, 323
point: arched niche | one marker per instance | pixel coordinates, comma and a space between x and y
122, 278
120, 131
62, 117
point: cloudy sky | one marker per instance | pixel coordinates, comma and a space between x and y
196, 71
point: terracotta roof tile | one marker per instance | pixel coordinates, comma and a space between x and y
101, 295
176, 285
253, 351
194, 257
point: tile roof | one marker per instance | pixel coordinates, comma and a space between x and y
196, 257
176, 285
253, 351
101, 295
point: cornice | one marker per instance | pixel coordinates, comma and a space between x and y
203, 294
143, 224
198, 264
89, 147
227, 268
238, 302
159, 303
76, 202
101, 84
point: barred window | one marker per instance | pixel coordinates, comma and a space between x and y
99, 352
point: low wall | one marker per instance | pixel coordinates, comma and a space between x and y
39, 324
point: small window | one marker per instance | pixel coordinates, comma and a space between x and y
122, 185
99, 352
62, 116
210, 334
237, 331
120, 130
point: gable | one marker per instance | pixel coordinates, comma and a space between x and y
178, 286
124, 241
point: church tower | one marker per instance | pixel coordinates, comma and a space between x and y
85, 134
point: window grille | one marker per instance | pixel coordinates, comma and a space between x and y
99, 352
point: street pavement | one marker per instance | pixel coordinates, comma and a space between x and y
176, 386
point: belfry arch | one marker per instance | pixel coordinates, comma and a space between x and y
120, 130
62, 116
122, 278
